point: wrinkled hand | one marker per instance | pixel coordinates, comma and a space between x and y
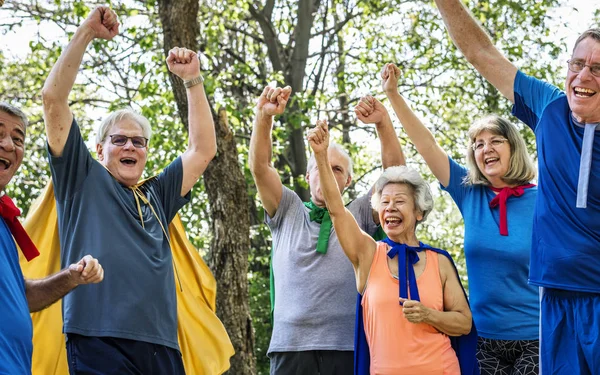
390, 74
414, 311
272, 101
103, 22
184, 63
87, 271
318, 137
370, 110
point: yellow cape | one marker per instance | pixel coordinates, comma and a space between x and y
204, 343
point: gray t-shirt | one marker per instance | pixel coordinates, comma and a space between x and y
315, 294
98, 216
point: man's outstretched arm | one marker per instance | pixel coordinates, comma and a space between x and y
476, 45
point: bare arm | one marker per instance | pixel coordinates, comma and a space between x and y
101, 23
271, 102
475, 44
358, 246
435, 157
202, 143
44, 292
456, 319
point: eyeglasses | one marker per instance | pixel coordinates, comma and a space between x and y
121, 140
493, 143
577, 66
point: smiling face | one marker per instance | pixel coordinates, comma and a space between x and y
492, 156
12, 147
398, 213
340, 167
583, 88
126, 163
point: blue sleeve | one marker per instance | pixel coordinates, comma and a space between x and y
70, 170
456, 187
169, 188
532, 96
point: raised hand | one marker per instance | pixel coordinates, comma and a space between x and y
103, 22
389, 78
414, 311
318, 137
370, 110
184, 63
87, 271
272, 101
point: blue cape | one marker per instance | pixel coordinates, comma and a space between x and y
465, 346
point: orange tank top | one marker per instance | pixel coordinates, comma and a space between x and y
398, 346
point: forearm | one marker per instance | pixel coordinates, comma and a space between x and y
44, 292
391, 150
202, 137
260, 153
62, 77
452, 323
331, 192
467, 34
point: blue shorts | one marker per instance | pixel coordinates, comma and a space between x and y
110, 355
570, 333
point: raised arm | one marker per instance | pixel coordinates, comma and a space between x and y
358, 246
101, 23
456, 319
476, 45
202, 143
370, 111
435, 157
271, 102
44, 292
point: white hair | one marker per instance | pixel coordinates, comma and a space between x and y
120, 115
335, 146
405, 175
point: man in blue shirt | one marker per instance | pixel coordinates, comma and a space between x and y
19, 296
566, 231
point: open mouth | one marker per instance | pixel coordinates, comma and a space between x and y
393, 221
128, 161
4, 164
488, 161
581, 92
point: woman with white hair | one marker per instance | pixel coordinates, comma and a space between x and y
495, 186
409, 334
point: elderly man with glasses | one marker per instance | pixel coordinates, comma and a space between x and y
128, 324
566, 230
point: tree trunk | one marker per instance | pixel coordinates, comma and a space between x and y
226, 189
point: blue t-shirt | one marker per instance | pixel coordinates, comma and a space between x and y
99, 216
16, 329
566, 240
504, 306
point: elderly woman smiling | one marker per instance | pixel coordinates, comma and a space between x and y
410, 334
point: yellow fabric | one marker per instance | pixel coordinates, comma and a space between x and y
204, 343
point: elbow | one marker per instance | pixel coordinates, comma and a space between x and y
50, 98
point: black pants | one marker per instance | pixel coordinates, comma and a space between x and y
314, 362
109, 355
508, 357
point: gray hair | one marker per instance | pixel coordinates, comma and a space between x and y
335, 146
408, 176
14, 111
120, 115
521, 169
590, 33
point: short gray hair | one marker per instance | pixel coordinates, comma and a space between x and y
120, 115
521, 169
589, 33
335, 146
14, 111
408, 176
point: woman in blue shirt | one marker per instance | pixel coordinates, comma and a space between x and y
496, 200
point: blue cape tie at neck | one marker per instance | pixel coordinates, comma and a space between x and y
585, 165
407, 256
